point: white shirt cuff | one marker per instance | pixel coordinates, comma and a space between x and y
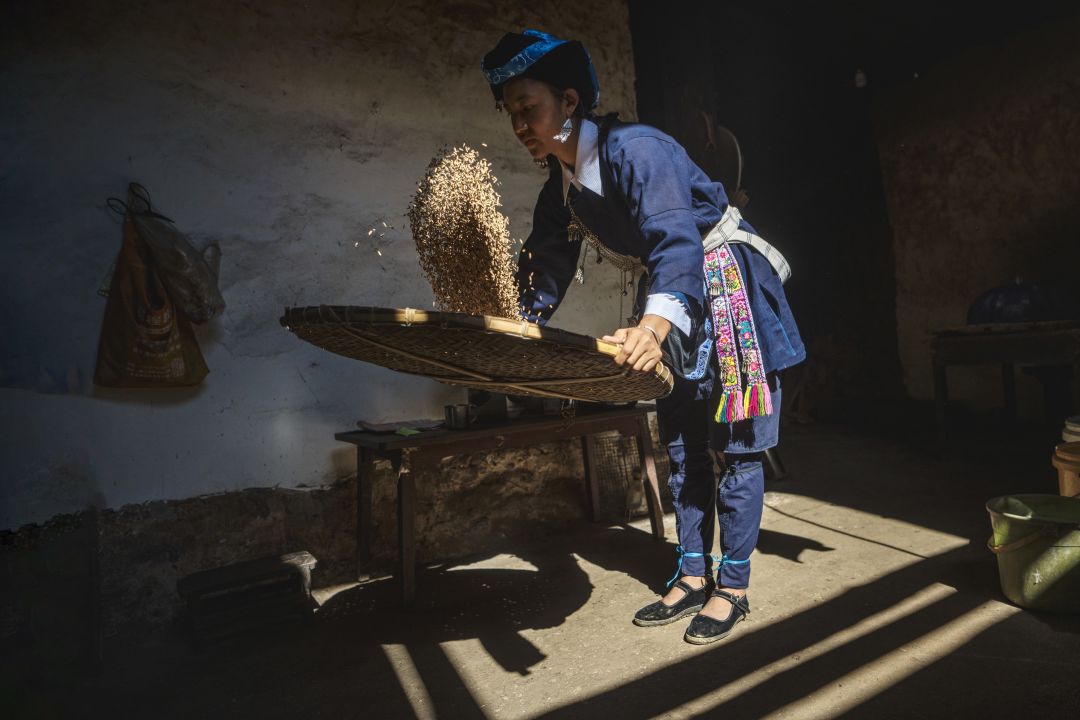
671, 309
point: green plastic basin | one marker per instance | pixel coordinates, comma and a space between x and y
1037, 542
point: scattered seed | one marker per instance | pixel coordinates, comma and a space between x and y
461, 237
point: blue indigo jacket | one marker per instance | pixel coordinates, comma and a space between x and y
656, 206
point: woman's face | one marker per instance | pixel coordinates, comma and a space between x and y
537, 113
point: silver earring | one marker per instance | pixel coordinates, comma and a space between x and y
564, 134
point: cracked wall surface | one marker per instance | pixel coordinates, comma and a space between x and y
127, 561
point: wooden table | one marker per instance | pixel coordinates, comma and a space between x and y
406, 454
1005, 344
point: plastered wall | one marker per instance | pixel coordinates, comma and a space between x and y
284, 131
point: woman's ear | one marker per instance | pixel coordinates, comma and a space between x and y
571, 100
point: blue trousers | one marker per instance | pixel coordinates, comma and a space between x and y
687, 428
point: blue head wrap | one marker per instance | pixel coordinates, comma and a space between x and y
537, 55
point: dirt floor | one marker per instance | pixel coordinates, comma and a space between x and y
873, 596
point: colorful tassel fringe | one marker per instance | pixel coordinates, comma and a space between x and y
737, 347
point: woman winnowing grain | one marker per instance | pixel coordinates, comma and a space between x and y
712, 298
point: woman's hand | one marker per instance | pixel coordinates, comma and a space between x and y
639, 347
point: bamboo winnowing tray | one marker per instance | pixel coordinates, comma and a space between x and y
507, 356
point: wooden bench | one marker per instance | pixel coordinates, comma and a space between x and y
408, 453
1008, 345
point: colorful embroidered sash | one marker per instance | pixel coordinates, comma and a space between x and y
737, 346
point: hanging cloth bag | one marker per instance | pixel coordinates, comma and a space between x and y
144, 341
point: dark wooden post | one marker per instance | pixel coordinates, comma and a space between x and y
365, 471
406, 526
592, 482
941, 396
648, 477
1008, 388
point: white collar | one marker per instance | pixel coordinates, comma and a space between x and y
587, 162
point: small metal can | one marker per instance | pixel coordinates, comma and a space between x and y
458, 417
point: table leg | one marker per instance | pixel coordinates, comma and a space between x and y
1008, 389
1056, 381
406, 492
941, 396
648, 477
365, 471
592, 482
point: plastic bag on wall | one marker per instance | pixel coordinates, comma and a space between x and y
190, 275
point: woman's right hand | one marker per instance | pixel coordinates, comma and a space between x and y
639, 347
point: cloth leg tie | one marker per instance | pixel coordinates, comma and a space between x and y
725, 560
682, 554
737, 345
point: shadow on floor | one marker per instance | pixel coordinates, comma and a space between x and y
366, 655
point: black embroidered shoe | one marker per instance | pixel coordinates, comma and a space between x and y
658, 613
704, 630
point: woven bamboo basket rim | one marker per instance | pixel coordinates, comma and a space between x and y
374, 334
1068, 451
